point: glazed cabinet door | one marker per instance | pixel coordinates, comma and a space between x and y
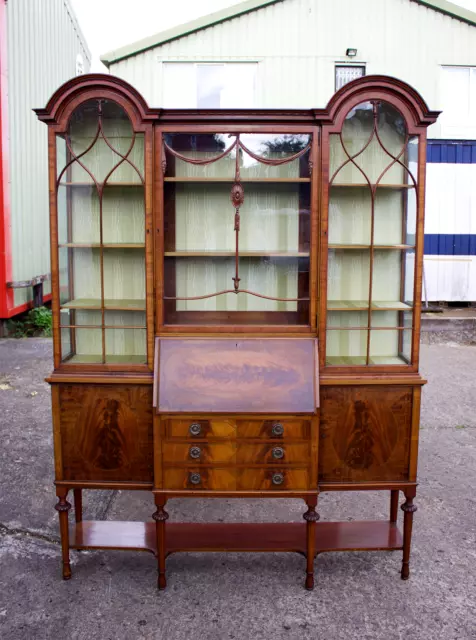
102, 299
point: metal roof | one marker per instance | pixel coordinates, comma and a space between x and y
443, 6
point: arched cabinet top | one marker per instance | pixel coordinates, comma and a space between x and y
78, 90
97, 85
399, 94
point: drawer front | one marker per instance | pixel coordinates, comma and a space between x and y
272, 479
197, 429
196, 453
275, 429
272, 453
200, 479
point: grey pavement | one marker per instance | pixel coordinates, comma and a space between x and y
112, 595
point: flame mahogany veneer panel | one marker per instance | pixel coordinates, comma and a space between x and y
365, 433
237, 375
106, 432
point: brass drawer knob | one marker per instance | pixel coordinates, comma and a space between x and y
195, 478
277, 429
277, 479
278, 453
195, 429
195, 452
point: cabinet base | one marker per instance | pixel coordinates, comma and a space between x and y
246, 537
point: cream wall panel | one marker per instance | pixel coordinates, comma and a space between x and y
298, 42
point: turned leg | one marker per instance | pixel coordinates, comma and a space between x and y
160, 517
78, 505
311, 517
408, 509
62, 507
394, 505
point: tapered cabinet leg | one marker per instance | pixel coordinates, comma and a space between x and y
394, 505
63, 507
408, 509
311, 517
160, 517
78, 505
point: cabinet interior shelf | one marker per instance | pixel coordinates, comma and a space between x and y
363, 305
97, 245
109, 304
110, 359
344, 361
375, 246
231, 254
231, 179
108, 184
364, 185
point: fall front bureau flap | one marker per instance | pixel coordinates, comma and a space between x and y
249, 375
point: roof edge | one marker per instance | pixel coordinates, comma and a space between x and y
184, 29
77, 26
450, 9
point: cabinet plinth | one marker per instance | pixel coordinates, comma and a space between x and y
236, 313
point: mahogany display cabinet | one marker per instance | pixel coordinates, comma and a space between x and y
236, 312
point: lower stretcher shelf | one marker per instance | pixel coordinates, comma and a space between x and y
247, 537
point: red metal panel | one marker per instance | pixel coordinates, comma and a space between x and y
6, 295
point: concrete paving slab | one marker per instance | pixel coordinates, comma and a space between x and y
244, 596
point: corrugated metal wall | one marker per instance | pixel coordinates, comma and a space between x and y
298, 42
43, 42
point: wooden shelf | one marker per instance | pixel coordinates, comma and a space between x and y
363, 305
108, 184
97, 245
352, 361
109, 304
231, 254
245, 537
364, 185
377, 247
79, 358
231, 179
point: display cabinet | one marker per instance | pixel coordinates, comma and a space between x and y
236, 312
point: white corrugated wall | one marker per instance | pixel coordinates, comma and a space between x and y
43, 42
298, 42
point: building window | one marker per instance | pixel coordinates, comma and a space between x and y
190, 85
458, 99
346, 73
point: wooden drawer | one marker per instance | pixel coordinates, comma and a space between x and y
200, 479
272, 453
232, 479
275, 429
230, 452
198, 453
272, 479
199, 429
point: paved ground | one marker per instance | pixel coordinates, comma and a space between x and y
113, 596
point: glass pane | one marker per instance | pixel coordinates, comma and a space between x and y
274, 147
125, 319
350, 215
201, 147
123, 216
126, 346
81, 345
102, 145
124, 278
276, 277
348, 278
344, 348
80, 277
80, 317
387, 346
392, 319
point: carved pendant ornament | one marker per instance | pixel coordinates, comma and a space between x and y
237, 197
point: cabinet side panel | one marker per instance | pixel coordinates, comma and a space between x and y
365, 434
106, 432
